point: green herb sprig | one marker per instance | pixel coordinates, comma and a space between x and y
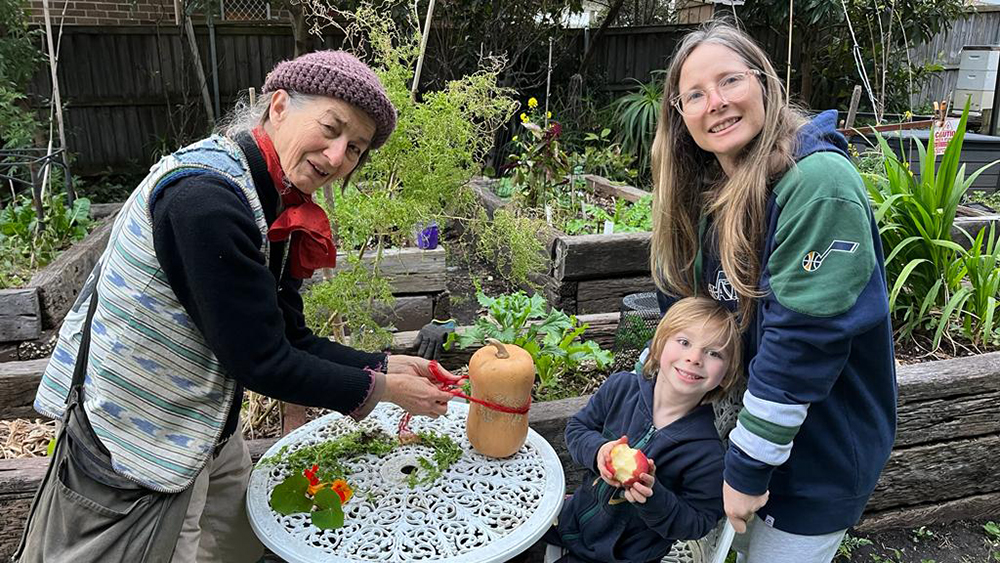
446, 453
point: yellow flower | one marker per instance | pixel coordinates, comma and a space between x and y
514, 139
532, 103
548, 115
524, 118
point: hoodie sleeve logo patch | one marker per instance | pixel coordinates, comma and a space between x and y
813, 260
823, 256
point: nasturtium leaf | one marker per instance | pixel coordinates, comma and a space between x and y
289, 496
330, 515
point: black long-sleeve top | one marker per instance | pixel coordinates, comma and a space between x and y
249, 311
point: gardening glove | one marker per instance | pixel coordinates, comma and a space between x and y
430, 339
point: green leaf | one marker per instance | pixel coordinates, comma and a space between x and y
330, 514
952, 310
289, 496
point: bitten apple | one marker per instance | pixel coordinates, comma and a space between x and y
627, 464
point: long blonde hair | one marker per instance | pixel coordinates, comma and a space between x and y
688, 181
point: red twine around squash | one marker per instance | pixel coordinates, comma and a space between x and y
451, 385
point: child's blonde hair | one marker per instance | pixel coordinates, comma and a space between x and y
703, 312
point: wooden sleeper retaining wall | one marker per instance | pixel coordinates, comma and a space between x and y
26, 312
588, 274
419, 284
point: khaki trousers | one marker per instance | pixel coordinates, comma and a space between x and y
216, 528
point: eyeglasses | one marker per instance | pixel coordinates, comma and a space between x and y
732, 88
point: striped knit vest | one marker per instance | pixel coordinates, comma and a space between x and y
155, 393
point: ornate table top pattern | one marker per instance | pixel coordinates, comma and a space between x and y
481, 510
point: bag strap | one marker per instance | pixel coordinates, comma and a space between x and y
82, 355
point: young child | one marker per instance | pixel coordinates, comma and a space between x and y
665, 412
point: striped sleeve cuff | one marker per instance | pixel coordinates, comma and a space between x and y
745, 474
761, 441
765, 429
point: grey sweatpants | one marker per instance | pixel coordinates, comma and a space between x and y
764, 544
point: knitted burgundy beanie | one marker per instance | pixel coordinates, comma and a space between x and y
340, 75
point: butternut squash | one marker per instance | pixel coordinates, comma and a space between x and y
501, 374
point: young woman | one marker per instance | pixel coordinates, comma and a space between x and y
761, 209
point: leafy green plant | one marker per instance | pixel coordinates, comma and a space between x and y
992, 530
549, 335
540, 165
628, 218
27, 244
991, 200
346, 303
636, 114
982, 267
915, 215
18, 58
510, 241
503, 187
849, 545
419, 175
603, 157
923, 533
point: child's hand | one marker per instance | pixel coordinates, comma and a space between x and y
602, 461
643, 488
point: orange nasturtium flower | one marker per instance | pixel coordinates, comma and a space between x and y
343, 490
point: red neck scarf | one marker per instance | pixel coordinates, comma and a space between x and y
302, 221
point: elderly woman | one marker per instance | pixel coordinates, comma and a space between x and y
195, 299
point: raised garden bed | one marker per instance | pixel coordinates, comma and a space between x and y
25, 313
419, 284
977, 150
589, 273
417, 277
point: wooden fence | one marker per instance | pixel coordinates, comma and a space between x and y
131, 92
634, 53
981, 27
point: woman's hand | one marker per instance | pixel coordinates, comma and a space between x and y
415, 394
602, 461
415, 365
643, 488
740, 507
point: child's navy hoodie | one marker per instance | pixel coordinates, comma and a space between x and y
819, 415
597, 524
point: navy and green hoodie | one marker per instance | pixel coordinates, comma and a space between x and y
819, 415
597, 524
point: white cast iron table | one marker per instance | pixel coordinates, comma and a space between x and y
481, 510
